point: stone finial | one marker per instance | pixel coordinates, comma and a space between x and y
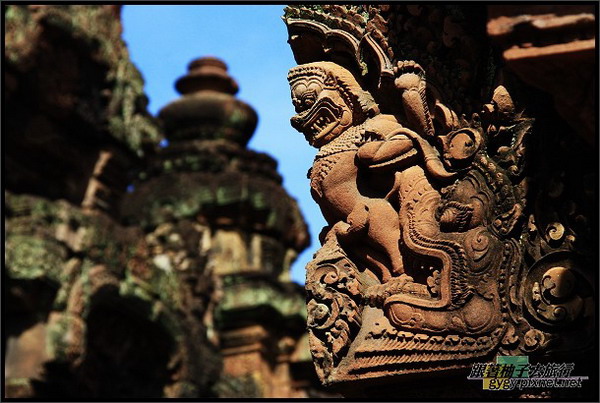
207, 73
208, 109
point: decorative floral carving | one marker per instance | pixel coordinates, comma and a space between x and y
334, 295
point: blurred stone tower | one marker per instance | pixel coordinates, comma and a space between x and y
208, 201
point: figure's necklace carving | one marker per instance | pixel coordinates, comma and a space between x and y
328, 155
350, 140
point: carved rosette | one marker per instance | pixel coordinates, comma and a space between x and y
428, 260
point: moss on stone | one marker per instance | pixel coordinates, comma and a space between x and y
98, 33
254, 296
32, 258
235, 387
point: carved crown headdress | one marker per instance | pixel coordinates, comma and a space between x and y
334, 76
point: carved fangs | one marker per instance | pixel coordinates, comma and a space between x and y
426, 273
317, 122
323, 124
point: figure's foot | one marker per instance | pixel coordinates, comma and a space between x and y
339, 229
375, 295
398, 267
408, 66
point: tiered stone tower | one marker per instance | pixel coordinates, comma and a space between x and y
209, 203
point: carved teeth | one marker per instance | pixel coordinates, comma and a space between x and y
423, 268
320, 124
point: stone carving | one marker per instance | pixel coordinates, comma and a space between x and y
563, 46
333, 316
425, 189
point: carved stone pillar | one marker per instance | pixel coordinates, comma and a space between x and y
552, 48
453, 235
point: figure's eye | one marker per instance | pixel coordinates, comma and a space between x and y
297, 105
304, 101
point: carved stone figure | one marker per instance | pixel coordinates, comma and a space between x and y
426, 263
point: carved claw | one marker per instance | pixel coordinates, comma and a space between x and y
408, 66
375, 295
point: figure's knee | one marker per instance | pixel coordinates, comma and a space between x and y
382, 213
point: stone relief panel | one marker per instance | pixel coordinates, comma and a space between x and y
431, 259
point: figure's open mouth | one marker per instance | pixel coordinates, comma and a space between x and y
318, 121
426, 274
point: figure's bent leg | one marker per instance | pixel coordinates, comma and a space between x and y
384, 231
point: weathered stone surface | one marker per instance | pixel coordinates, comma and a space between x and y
553, 48
178, 287
100, 278
89, 314
76, 104
432, 166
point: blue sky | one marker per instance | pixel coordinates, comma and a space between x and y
252, 40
